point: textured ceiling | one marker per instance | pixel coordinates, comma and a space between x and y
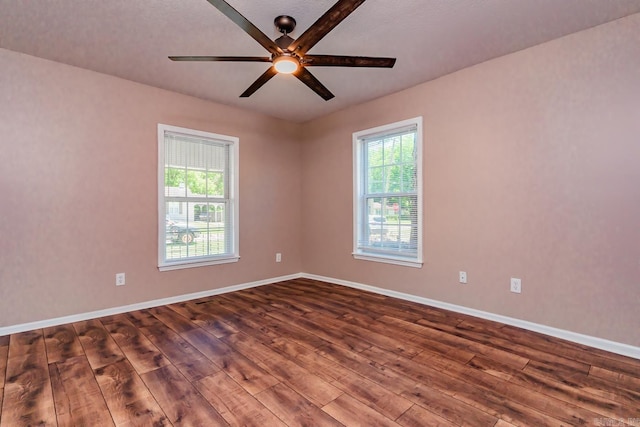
132, 39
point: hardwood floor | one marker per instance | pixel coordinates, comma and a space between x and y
304, 352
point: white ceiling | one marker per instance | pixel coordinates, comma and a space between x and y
132, 39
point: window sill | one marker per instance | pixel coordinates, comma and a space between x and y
389, 260
193, 264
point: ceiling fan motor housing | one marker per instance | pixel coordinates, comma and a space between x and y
285, 24
283, 42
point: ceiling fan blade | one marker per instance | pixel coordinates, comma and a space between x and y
247, 26
348, 61
314, 84
222, 58
265, 77
323, 25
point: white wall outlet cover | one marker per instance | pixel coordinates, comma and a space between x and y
462, 277
120, 279
516, 285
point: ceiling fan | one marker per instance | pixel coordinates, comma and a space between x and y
289, 56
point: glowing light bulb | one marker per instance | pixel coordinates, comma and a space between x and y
286, 64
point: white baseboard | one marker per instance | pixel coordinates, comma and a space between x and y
603, 344
7, 330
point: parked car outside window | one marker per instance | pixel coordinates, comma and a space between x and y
180, 233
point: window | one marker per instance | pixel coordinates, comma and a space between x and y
387, 217
197, 198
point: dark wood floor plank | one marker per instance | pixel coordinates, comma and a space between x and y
486, 393
409, 386
506, 399
417, 416
476, 347
289, 304
4, 354
578, 352
491, 367
368, 392
234, 403
172, 319
508, 341
76, 394
293, 409
360, 302
277, 328
309, 303
140, 352
618, 378
306, 352
369, 303
197, 368
126, 395
428, 343
62, 343
245, 372
378, 373
591, 386
577, 390
182, 403
451, 409
200, 317
575, 394
348, 326
240, 319
191, 363
28, 396
239, 303
98, 345
299, 379
327, 334
352, 412
276, 302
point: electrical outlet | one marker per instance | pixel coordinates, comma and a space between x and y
516, 285
120, 279
463, 277
278, 257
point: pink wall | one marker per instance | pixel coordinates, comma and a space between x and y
78, 191
531, 169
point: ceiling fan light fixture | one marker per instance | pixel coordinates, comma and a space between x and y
289, 56
286, 64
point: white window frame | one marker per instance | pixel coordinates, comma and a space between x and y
360, 214
233, 198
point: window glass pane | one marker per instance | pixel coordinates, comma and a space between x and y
376, 182
205, 235
409, 178
180, 233
175, 182
408, 148
388, 151
394, 177
374, 153
375, 229
215, 183
196, 183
